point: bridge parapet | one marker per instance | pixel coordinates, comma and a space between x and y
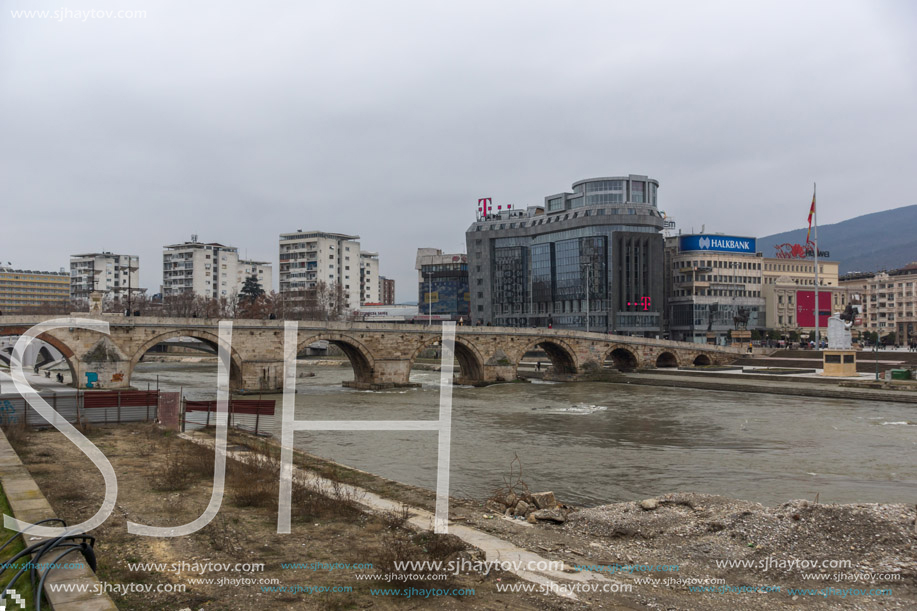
381, 353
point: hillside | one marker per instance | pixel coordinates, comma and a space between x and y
877, 241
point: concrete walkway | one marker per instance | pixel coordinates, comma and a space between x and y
495, 549
30, 505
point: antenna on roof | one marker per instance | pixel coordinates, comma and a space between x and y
194, 238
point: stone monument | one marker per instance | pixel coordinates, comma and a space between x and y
839, 359
95, 303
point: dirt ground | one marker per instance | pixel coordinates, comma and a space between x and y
622, 542
152, 490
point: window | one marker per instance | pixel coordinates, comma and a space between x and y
637, 191
604, 185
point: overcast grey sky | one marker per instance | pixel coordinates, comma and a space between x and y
240, 121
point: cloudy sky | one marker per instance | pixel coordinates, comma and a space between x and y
239, 121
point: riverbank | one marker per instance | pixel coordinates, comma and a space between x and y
652, 551
801, 386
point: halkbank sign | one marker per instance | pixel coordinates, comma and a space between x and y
720, 243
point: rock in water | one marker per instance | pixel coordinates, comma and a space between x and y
522, 508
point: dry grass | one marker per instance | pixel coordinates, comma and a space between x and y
401, 546
18, 434
174, 473
328, 526
396, 519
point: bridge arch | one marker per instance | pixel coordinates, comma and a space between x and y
211, 339
702, 360
48, 338
469, 359
361, 359
622, 356
666, 359
560, 353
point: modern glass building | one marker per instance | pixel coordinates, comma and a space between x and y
591, 259
442, 283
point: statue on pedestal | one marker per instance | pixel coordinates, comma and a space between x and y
839, 337
741, 318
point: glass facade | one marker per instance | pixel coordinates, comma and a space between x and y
585, 260
510, 272
445, 296
604, 185
445, 290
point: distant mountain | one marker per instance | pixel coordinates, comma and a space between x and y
868, 243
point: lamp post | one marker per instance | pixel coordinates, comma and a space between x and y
429, 299
875, 349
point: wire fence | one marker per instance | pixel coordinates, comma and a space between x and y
94, 407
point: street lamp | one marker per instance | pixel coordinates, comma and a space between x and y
875, 349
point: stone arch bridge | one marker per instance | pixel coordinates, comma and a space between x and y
381, 354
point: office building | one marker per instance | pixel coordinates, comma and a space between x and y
115, 276
22, 289
210, 270
591, 259
712, 279
442, 285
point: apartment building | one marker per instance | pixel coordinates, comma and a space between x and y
112, 275
889, 301
308, 258
369, 278
387, 290
210, 270
26, 288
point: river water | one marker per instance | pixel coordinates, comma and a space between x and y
594, 443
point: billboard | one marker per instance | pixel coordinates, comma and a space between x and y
805, 310
390, 313
717, 243
449, 296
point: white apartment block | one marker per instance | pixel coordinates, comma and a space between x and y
112, 275
310, 257
369, 278
260, 269
209, 270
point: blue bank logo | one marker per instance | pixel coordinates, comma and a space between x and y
721, 243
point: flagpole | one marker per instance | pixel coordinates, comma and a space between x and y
815, 220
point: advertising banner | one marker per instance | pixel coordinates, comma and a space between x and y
805, 308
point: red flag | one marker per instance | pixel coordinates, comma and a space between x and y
811, 214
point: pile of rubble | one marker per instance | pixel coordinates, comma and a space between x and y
533, 507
